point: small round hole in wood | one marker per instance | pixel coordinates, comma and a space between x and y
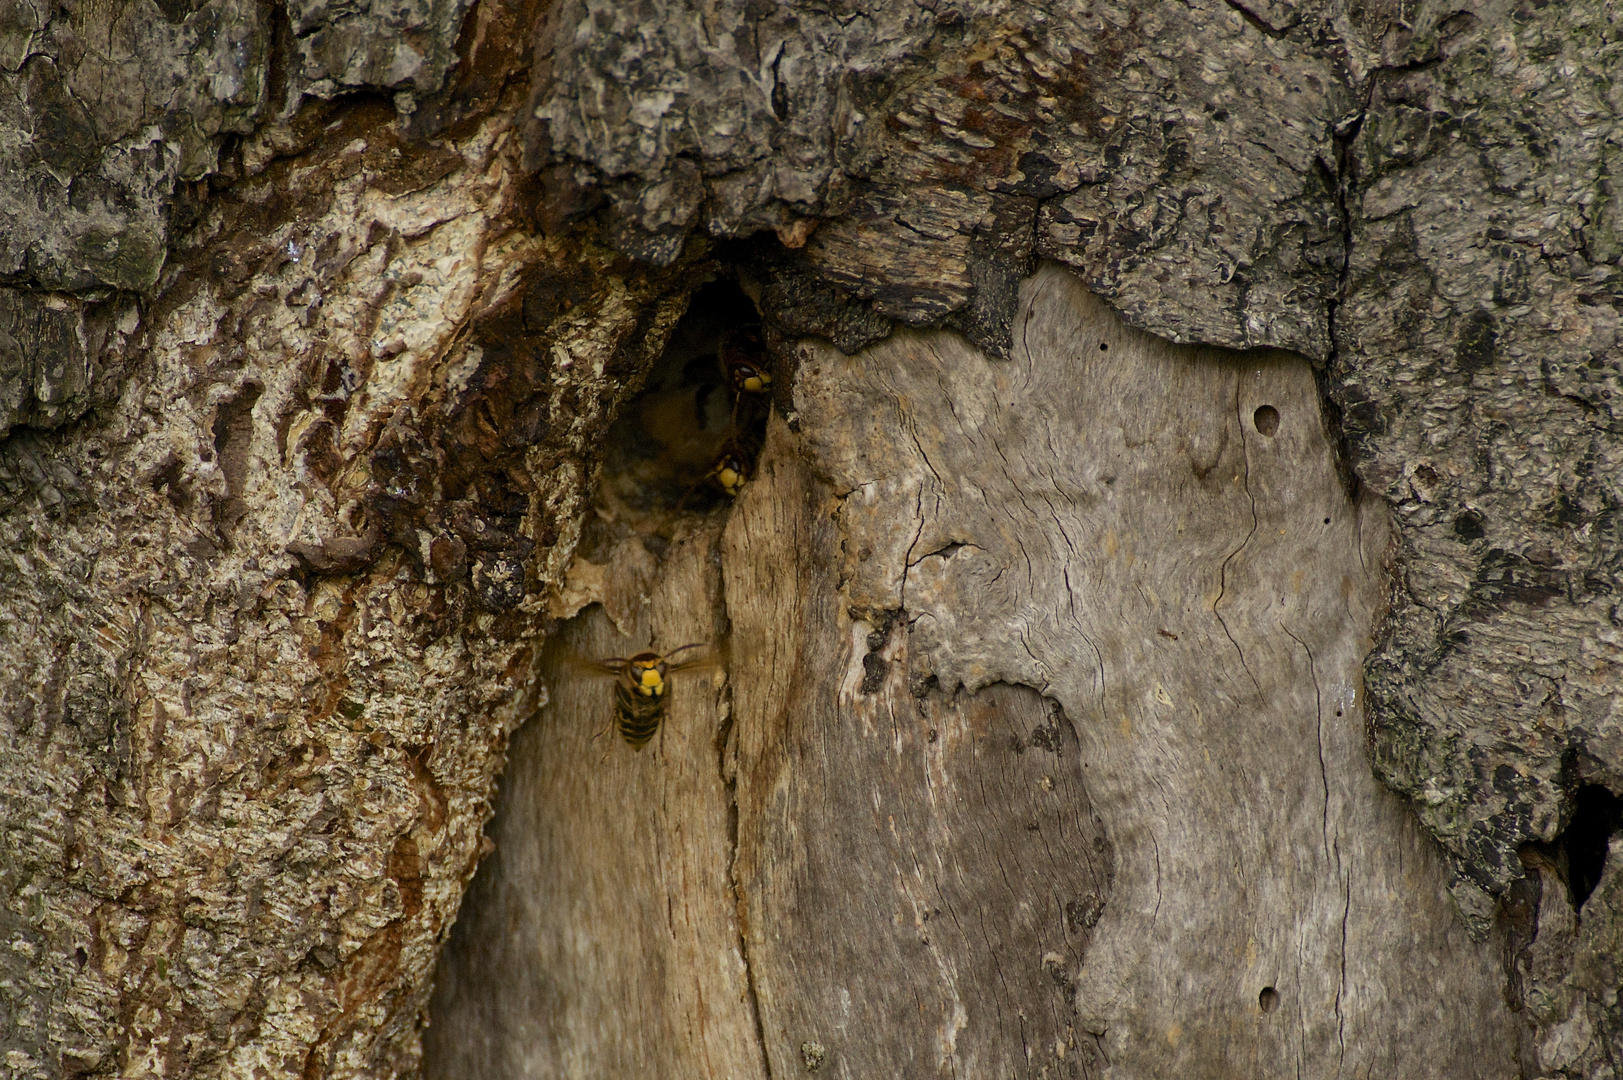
1104, 346
1268, 1000
1266, 418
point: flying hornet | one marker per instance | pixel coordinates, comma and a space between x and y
642, 690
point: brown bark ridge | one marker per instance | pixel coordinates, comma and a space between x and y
270, 611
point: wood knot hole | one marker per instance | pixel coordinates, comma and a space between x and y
1268, 1000
1266, 418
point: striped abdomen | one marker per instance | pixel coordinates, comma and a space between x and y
637, 715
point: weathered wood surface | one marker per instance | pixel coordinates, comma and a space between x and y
1172, 861
600, 939
1105, 518
921, 870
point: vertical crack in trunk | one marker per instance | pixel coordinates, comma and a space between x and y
1338, 174
1318, 707
1223, 571
726, 742
1341, 987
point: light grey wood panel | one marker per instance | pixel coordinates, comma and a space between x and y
921, 868
1111, 519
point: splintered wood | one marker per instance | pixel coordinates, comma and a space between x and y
1045, 756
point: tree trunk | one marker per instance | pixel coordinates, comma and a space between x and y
1168, 629
1169, 858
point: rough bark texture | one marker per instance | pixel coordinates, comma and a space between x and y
1180, 157
270, 613
1479, 358
105, 109
313, 318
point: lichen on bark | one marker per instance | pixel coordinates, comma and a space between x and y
1478, 364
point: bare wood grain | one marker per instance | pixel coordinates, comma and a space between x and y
1103, 517
921, 869
599, 938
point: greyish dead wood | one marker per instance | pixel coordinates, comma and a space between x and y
1156, 537
920, 869
601, 937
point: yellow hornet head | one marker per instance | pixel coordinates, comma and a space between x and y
743, 356
648, 674
750, 379
730, 472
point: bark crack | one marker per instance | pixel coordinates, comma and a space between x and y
1346, 911
1099, 679
1223, 571
729, 780
1338, 176
1343, 135
1318, 709
1257, 23
1156, 846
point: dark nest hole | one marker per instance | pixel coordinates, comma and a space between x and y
696, 428
1578, 854
1583, 845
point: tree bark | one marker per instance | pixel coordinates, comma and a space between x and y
1170, 627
